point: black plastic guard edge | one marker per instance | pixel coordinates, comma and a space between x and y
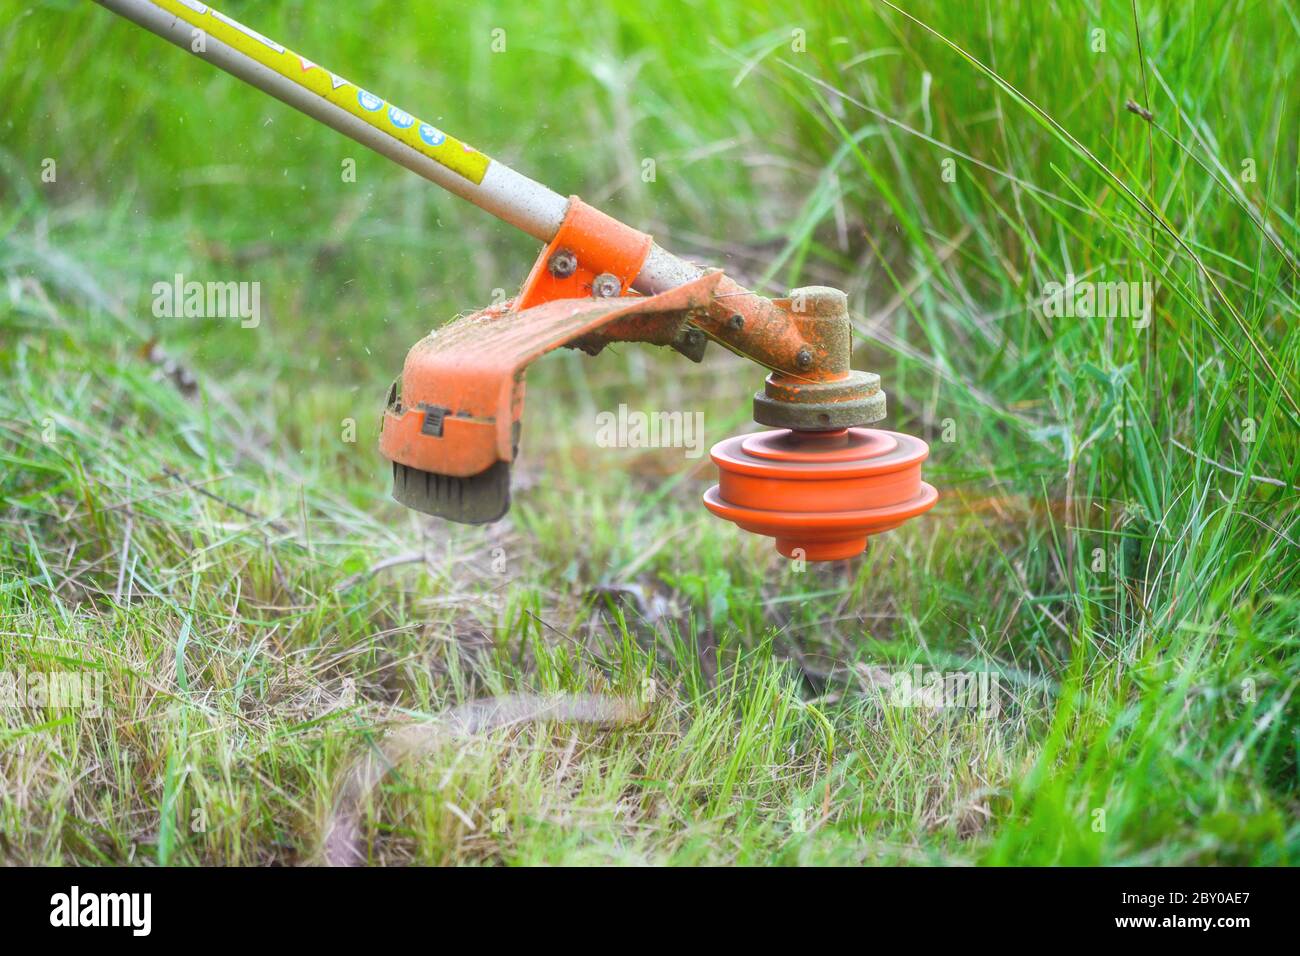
479, 499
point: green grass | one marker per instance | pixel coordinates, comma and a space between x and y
1116, 538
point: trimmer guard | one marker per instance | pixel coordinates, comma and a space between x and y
452, 427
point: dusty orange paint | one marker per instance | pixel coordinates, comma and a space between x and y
471, 373
771, 333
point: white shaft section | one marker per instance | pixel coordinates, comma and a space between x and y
506, 194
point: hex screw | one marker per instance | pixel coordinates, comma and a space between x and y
606, 286
804, 359
562, 264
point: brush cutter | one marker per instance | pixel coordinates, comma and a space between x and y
820, 483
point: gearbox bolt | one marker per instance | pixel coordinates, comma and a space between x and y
606, 286
562, 264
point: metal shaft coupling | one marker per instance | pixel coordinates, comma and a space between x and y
820, 484
822, 393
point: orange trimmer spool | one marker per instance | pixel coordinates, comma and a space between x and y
820, 494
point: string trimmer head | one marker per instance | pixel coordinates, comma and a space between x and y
820, 484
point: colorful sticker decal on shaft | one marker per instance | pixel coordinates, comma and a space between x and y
427, 140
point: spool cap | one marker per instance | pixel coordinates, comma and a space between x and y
821, 495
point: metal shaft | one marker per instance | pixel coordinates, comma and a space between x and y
374, 122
